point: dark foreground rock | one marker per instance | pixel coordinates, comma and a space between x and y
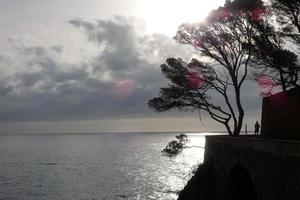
200, 186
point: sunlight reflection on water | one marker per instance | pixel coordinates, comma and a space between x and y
184, 164
94, 166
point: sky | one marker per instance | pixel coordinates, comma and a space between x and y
92, 65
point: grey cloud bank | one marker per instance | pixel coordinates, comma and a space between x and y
115, 83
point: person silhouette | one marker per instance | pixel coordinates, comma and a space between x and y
256, 128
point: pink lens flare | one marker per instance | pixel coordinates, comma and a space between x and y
124, 88
269, 87
257, 14
266, 84
225, 13
266, 81
196, 80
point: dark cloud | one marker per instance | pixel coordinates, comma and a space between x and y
126, 49
116, 83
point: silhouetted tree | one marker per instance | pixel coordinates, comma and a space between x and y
271, 60
224, 44
288, 16
174, 147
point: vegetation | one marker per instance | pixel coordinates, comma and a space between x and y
174, 147
288, 16
239, 35
272, 61
224, 42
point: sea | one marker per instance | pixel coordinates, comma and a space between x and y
101, 166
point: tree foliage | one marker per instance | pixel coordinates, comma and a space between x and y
275, 67
234, 37
272, 60
174, 147
288, 16
224, 43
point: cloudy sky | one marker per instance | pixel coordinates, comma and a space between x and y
92, 65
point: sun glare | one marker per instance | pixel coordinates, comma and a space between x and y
165, 16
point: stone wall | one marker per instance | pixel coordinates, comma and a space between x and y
281, 115
273, 165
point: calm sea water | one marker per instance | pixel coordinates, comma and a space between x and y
93, 166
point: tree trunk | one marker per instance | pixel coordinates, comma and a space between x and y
228, 129
238, 127
283, 85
